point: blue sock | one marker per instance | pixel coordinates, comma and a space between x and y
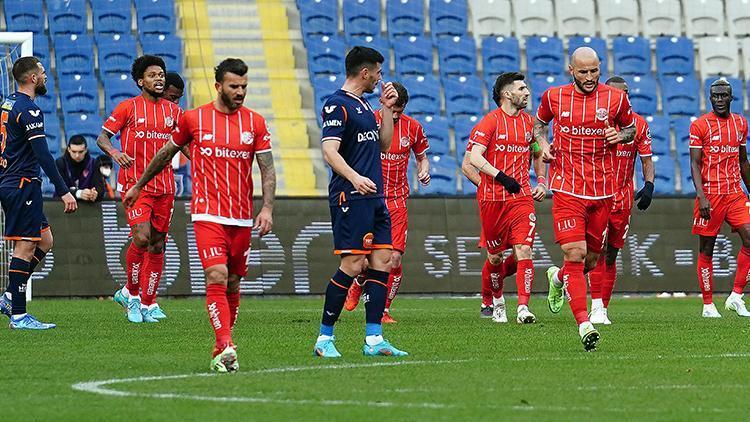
376, 291
18, 275
373, 329
334, 303
326, 330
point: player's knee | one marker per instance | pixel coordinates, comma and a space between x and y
495, 259
156, 247
217, 274
140, 240
575, 254
522, 252
47, 241
354, 264
395, 260
233, 284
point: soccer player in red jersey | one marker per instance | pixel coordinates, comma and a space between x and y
718, 160
145, 124
602, 277
408, 136
224, 137
586, 115
500, 149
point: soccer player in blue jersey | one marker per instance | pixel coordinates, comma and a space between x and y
23, 149
352, 143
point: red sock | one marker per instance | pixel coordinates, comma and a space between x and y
486, 289
509, 266
133, 266
743, 270
150, 277
524, 278
233, 299
608, 282
596, 277
394, 282
495, 275
706, 277
218, 313
575, 287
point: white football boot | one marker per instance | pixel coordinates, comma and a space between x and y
524, 316
498, 311
599, 316
710, 311
735, 303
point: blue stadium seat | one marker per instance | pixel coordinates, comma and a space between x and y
424, 95
323, 87
66, 17
161, 3
43, 52
680, 95
155, 18
111, 16
642, 94
413, 56
544, 56
80, 101
462, 131
361, 18
738, 93
463, 96
675, 56
457, 56
325, 55
664, 180
24, 15
116, 90
659, 127
405, 18
168, 47
319, 17
74, 54
540, 84
87, 125
500, 54
686, 177
442, 176
681, 127
448, 18
436, 128
48, 189
632, 56
116, 55
78, 83
48, 102
467, 188
53, 135
598, 44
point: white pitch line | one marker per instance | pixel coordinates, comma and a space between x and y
603, 356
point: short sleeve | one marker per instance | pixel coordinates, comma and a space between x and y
334, 119
182, 134
119, 117
624, 117
421, 144
262, 136
32, 122
696, 135
483, 132
744, 129
544, 111
643, 141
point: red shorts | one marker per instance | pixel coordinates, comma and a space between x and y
156, 209
617, 229
508, 223
733, 208
578, 219
219, 244
399, 228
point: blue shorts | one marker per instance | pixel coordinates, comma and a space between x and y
24, 211
361, 226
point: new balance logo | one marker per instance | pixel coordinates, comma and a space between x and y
329, 109
565, 114
35, 113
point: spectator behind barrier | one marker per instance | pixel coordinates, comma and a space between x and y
81, 171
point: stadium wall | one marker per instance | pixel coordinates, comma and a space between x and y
296, 258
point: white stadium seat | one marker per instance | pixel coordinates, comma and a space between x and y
738, 17
704, 18
661, 17
718, 56
490, 17
534, 17
575, 17
745, 43
618, 17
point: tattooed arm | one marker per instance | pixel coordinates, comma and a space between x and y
264, 219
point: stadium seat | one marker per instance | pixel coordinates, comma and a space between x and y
79, 101
738, 93
674, 56
463, 96
111, 16
48, 189
540, 84
660, 136
116, 90
681, 128
116, 55
467, 188
575, 17
54, 136
323, 87
74, 54
319, 17
48, 102
457, 56
66, 17
155, 18
78, 83
442, 176
718, 56
491, 17
500, 54
704, 18
413, 56
533, 17
680, 96
686, 177
43, 52
738, 17
424, 95
448, 18
436, 128
325, 55
664, 180
462, 133
24, 15
632, 56
87, 125
168, 47
405, 18
618, 17
642, 94
544, 56
598, 44
361, 18
661, 17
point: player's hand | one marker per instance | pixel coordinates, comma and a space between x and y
610, 134
263, 221
130, 197
363, 185
539, 192
388, 95
88, 194
424, 177
122, 159
645, 195
704, 207
510, 184
548, 154
69, 201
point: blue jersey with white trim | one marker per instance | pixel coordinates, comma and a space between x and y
349, 119
21, 123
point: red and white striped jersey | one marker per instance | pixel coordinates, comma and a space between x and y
222, 148
144, 126
584, 162
625, 163
720, 139
508, 141
408, 136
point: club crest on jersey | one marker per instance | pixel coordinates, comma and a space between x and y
602, 114
404, 142
246, 138
169, 121
367, 241
7, 105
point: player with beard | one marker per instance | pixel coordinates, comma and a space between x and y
145, 124
718, 161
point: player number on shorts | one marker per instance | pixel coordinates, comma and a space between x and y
529, 237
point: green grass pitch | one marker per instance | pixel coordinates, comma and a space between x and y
659, 361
